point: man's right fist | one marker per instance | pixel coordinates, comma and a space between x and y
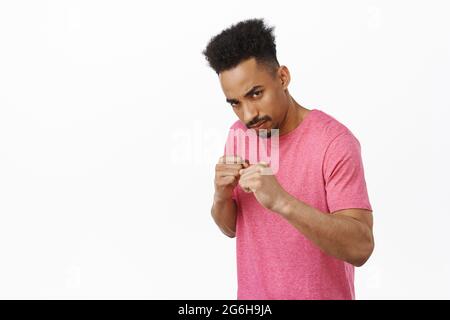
227, 176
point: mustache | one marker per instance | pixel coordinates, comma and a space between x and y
255, 121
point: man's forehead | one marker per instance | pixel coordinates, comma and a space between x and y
238, 80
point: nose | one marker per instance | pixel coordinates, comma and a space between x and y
250, 113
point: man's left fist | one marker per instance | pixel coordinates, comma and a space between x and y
259, 179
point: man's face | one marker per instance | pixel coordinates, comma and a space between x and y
255, 94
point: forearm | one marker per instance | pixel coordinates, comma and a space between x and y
224, 215
340, 236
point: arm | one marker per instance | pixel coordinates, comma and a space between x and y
224, 208
345, 234
224, 215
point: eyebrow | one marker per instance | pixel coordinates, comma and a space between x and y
249, 93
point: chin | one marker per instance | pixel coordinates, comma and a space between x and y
264, 133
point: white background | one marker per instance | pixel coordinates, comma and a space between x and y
111, 123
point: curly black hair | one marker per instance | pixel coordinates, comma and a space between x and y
241, 41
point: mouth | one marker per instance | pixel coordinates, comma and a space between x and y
258, 125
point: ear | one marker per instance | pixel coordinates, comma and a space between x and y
284, 76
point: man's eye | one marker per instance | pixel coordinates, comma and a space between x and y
257, 93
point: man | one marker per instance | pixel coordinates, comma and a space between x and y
299, 232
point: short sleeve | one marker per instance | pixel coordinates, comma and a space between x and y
343, 172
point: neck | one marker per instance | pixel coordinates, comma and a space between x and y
294, 116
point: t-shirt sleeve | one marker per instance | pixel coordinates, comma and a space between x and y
343, 171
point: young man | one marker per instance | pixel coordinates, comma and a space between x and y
300, 231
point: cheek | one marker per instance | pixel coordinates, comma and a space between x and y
239, 114
268, 104
271, 107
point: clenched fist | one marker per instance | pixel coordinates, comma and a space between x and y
259, 179
227, 176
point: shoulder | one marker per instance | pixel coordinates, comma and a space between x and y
329, 128
338, 141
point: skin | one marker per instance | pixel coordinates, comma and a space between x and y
345, 234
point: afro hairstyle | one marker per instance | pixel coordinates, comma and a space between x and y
241, 41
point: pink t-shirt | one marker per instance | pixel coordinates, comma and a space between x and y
319, 164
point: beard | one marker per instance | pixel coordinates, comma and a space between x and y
264, 133
268, 133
